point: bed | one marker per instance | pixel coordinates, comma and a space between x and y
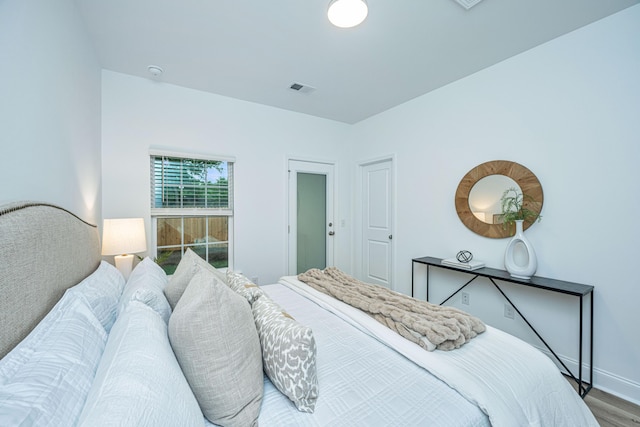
80, 346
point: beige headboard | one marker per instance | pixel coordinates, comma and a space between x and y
44, 250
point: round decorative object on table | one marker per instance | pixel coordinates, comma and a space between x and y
520, 271
464, 256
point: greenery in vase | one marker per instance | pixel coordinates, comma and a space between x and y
513, 208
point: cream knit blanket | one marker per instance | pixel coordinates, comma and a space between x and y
447, 328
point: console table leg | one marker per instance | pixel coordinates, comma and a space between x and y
427, 297
412, 270
581, 387
534, 330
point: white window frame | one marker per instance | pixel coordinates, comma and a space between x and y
192, 212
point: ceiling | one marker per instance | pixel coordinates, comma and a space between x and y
255, 49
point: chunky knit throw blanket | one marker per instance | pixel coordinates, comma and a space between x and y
446, 328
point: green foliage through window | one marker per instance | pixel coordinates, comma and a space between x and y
191, 183
191, 207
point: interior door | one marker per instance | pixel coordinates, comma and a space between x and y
377, 221
311, 224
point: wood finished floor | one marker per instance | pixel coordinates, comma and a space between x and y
611, 411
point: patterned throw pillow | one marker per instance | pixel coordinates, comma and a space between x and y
288, 353
242, 285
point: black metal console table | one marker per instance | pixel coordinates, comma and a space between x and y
575, 289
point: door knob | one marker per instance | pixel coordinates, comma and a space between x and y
390, 236
331, 233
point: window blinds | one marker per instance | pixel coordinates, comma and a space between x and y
191, 184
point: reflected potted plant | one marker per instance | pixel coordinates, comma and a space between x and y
514, 208
514, 211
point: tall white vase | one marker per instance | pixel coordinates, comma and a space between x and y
520, 258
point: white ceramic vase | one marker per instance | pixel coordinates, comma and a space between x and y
520, 258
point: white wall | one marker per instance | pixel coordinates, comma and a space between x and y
139, 113
568, 110
49, 107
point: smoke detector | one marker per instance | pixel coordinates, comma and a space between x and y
468, 4
302, 88
155, 70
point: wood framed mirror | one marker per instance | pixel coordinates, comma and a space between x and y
485, 184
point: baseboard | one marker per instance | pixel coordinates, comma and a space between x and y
617, 386
603, 380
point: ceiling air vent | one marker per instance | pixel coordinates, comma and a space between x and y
468, 4
302, 88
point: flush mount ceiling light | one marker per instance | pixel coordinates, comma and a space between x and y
347, 13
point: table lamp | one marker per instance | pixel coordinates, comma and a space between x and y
123, 237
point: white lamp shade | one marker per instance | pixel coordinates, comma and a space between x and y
123, 236
347, 13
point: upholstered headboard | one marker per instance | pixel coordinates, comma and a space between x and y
44, 250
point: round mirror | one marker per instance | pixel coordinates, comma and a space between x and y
484, 197
478, 197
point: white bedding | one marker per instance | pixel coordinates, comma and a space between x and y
361, 382
375, 378
511, 381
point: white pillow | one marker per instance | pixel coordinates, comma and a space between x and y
102, 290
146, 284
139, 382
45, 379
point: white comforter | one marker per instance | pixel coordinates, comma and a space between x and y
363, 383
511, 381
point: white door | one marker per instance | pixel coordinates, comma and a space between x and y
311, 224
377, 221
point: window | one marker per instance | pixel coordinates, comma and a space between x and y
191, 207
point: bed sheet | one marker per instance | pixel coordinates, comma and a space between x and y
362, 382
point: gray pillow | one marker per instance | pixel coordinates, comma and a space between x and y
243, 286
288, 353
189, 265
214, 337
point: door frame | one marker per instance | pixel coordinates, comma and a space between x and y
359, 216
305, 165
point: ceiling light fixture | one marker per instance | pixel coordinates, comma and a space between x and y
347, 13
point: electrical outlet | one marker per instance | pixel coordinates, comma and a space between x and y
465, 298
509, 312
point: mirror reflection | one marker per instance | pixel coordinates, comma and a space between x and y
485, 195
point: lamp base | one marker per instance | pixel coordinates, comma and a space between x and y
124, 263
